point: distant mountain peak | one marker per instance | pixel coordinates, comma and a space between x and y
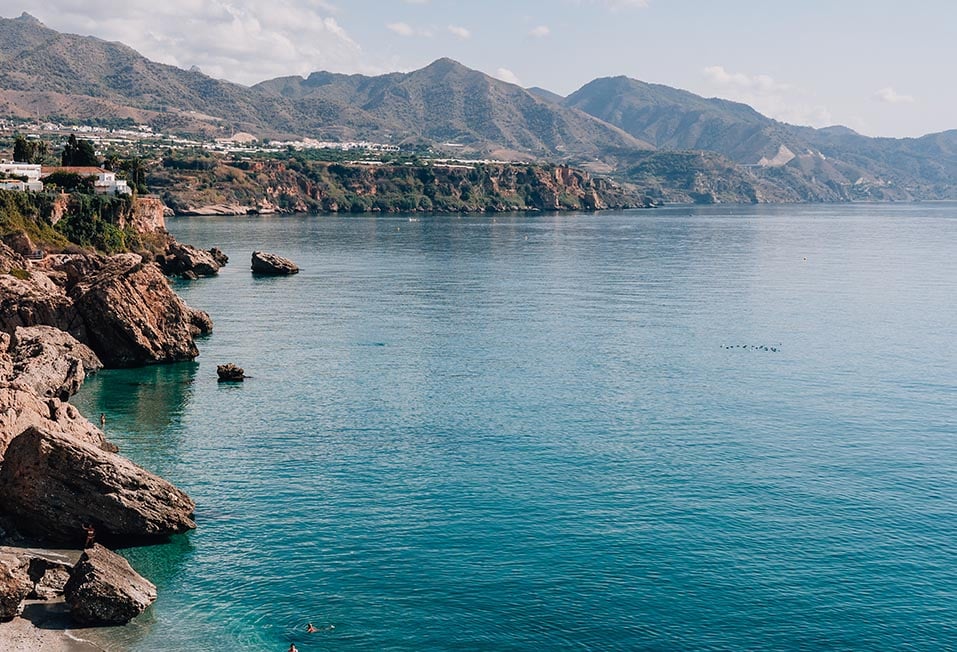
29, 18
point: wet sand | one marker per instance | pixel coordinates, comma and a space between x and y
43, 626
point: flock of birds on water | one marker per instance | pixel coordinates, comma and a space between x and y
752, 347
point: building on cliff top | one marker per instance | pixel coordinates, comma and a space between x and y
105, 183
12, 173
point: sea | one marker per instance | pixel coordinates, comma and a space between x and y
714, 428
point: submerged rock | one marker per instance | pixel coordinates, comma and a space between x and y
230, 373
272, 265
105, 590
52, 485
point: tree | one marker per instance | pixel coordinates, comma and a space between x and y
135, 170
39, 152
22, 150
79, 153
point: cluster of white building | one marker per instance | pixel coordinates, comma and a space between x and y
12, 177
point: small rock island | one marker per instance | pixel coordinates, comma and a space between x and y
268, 264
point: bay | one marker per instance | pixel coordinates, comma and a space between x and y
710, 428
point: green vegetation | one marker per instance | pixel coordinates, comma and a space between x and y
302, 184
89, 221
29, 151
79, 153
29, 213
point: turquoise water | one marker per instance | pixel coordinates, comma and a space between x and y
529, 433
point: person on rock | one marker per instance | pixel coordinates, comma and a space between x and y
90, 536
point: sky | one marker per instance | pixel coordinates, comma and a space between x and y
883, 68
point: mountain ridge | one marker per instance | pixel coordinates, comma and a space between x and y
611, 125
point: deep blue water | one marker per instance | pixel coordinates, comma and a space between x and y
529, 433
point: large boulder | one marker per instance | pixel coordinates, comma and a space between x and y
49, 578
35, 299
105, 590
180, 259
272, 265
132, 315
52, 485
51, 362
15, 583
21, 409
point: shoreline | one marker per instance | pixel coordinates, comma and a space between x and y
42, 365
44, 626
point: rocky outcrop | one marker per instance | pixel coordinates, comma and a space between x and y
52, 485
51, 362
105, 590
119, 306
49, 577
230, 373
132, 316
148, 215
272, 265
19, 242
21, 409
180, 259
15, 584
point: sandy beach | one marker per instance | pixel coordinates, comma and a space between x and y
43, 627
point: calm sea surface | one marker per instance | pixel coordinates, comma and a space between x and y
530, 433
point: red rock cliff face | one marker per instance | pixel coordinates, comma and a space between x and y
148, 215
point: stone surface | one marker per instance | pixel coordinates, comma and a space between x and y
21, 409
19, 242
272, 265
119, 306
49, 578
179, 259
52, 485
230, 373
105, 590
50, 361
132, 315
15, 583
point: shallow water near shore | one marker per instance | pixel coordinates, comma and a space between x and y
717, 428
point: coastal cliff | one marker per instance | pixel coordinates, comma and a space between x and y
64, 316
213, 186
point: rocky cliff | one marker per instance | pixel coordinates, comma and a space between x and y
297, 185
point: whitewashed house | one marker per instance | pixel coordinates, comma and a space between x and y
29, 171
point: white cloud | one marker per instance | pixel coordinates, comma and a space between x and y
540, 32
402, 29
507, 75
890, 96
242, 40
616, 5
762, 83
767, 95
460, 32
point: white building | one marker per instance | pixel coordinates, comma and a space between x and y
108, 184
25, 170
104, 181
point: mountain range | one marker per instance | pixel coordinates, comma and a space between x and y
671, 144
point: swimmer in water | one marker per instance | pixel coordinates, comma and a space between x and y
310, 628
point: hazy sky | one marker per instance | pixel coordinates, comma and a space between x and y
882, 67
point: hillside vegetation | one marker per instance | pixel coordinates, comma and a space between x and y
300, 185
